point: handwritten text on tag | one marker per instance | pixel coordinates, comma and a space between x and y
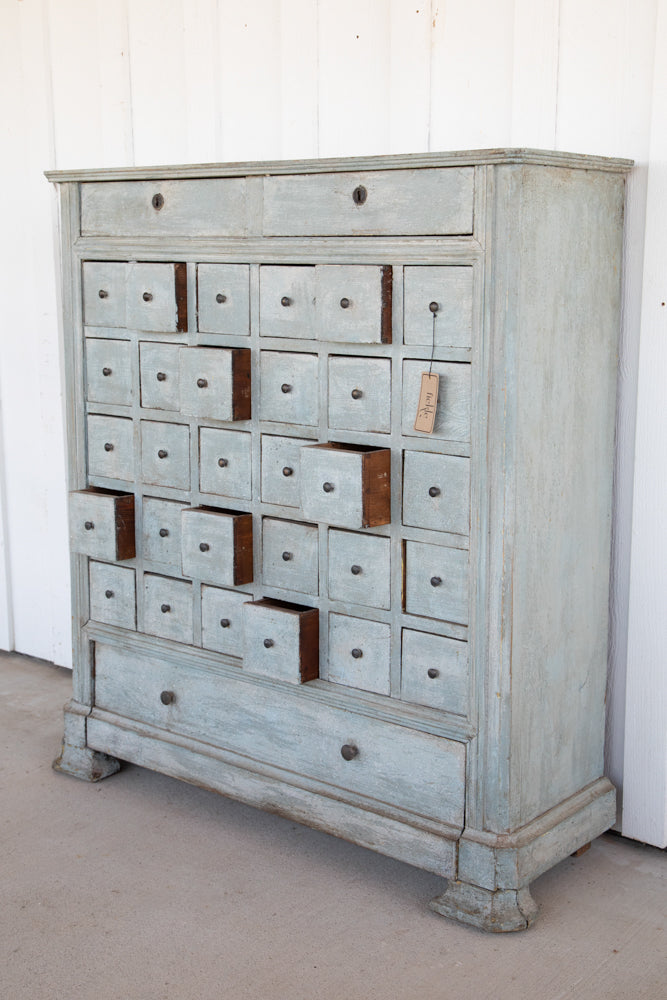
428, 401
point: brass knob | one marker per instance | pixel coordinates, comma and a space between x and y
220, 298
223, 462
287, 471
286, 301
204, 546
268, 643
434, 307
345, 303
355, 570
357, 654
287, 556
202, 383
108, 594
103, 294
167, 697
161, 376
434, 491
286, 387
348, 751
359, 195
328, 487
436, 581
162, 453
433, 673
108, 446
165, 608
164, 532
106, 371
89, 525
147, 296
225, 623
356, 394
157, 201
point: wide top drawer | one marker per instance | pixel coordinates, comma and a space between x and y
422, 202
215, 207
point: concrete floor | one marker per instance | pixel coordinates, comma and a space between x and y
145, 888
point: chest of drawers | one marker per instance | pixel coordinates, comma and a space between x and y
285, 592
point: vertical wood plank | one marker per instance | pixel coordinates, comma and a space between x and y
299, 78
114, 99
201, 70
409, 76
535, 73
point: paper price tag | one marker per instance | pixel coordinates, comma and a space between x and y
428, 401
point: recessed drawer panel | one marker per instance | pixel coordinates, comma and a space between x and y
383, 203
287, 302
104, 293
159, 366
290, 555
157, 297
281, 640
216, 546
281, 467
223, 299
222, 620
211, 207
112, 594
353, 303
281, 728
110, 447
348, 485
224, 463
434, 671
162, 532
215, 382
168, 608
452, 415
359, 653
359, 568
165, 454
102, 524
443, 293
109, 371
360, 394
288, 388
436, 582
436, 491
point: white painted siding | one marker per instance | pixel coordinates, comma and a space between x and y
99, 83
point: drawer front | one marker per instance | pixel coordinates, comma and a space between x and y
225, 463
281, 641
289, 388
168, 608
360, 394
102, 524
395, 765
290, 555
436, 582
452, 417
421, 202
436, 492
165, 454
345, 485
214, 548
104, 293
281, 469
111, 447
108, 371
359, 569
223, 299
359, 653
112, 594
353, 303
443, 292
152, 301
159, 368
222, 620
434, 671
211, 207
161, 538
215, 382
287, 302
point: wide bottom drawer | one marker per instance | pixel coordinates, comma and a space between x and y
389, 763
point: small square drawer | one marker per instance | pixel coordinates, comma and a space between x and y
224, 463
222, 620
436, 492
290, 555
287, 302
168, 608
104, 293
359, 653
281, 466
216, 546
110, 447
161, 536
436, 582
359, 569
346, 484
354, 303
157, 297
281, 640
441, 292
434, 671
215, 382
159, 367
289, 388
112, 594
223, 299
452, 416
360, 394
108, 371
165, 454
102, 524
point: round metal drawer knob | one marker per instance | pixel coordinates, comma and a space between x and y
268, 643
162, 453
345, 303
433, 673
286, 387
220, 298
286, 301
328, 487
202, 383
108, 594
287, 471
106, 371
355, 570
357, 654
287, 556
225, 623
161, 376
204, 546
167, 697
103, 294
157, 201
348, 751
108, 446
165, 608
434, 491
436, 581
356, 394
89, 525
359, 195
434, 307
164, 532
147, 296
223, 462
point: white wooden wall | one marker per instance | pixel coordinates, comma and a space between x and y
116, 82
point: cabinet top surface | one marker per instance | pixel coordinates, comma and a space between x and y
465, 158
